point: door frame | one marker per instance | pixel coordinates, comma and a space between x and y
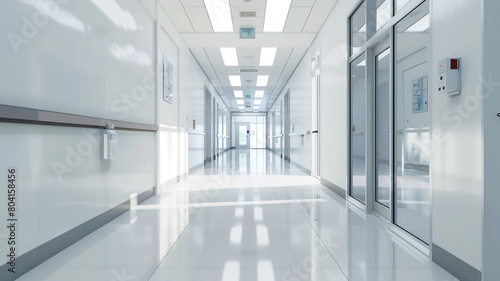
237, 135
385, 211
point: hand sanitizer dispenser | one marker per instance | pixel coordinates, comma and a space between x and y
109, 142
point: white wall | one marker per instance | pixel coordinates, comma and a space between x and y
178, 149
103, 71
491, 130
331, 40
62, 181
72, 58
300, 112
333, 94
457, 158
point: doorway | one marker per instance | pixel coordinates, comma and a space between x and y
287, 127
243, 135
315, 82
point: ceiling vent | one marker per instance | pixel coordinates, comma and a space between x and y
246, 70
248, 82
248, 14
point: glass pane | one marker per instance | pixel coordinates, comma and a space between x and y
384, 13
242, 135
358, 28
358, 155
401, 3
261, 135
253, 135
412, 123
383, 133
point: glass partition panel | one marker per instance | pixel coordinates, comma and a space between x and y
412, 123
358, 153
401, 3
383, 132
384, 12
242, 135
358, 28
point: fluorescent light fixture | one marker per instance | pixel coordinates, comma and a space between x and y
241, 107
229, 55
276, 14
257, 102
256, 107
219, 12
267, 56
235, 80
238, 94
240, 102
259, 94
262, 80
420, 26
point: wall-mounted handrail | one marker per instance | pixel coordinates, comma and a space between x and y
196, 133
300, 134
15, 114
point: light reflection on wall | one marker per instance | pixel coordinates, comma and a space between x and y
120, 17
262, 235
257, 213
129, 54
265, 271
236, 234
58, 14
231, 271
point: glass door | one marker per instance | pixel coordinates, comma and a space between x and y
242, 135
412, 123
358, 124
383, 129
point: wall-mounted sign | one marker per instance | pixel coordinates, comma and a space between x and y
247, 33
420, 95
168, 73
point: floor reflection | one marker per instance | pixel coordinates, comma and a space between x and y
267, 221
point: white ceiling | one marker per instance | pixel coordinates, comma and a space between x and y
305, 18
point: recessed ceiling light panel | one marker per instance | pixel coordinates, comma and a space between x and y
219, 12
276, 14
229, 55
262, 80
267, 56
238, 94
235, 80
259, 94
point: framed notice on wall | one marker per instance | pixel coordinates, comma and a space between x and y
420, 95
168, 78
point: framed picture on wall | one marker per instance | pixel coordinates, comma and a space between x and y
168, 78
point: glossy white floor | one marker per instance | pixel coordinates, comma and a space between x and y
258, 220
